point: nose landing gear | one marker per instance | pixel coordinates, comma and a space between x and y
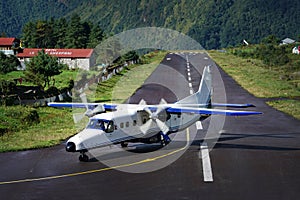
83, 157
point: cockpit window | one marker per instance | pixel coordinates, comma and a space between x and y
105, 125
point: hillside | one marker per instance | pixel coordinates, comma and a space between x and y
15, 13
214, 23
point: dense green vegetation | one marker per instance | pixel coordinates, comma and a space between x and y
266, 70
8, 63
213, 23
41, 68
61, 33
276, 58
10, 123
123, 85
14, 14
33, 128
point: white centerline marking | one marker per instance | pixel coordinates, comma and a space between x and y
191, 91
189, 74
190, 84
190, 79
188, 69
207, 171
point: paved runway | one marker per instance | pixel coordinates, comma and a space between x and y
256, 157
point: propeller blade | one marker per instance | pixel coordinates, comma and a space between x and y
162, 126
163, 101
142, 102
144, 128
153, 118
83, 98
77, 117
148, 111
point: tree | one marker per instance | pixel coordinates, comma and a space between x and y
6, 87
29, 30
8, 63
271, 40
41, 68
96, 36
77, 34
60, 31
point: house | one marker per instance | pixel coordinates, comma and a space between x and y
287, 41
10, 46
74, 58
296, 50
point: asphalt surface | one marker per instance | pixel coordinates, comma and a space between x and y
256, 157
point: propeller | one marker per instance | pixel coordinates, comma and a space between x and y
79, 116
158, 118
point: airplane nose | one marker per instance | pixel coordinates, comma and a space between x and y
70, 147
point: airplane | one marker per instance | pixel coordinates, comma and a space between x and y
123, 123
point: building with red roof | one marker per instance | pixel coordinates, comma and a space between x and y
74, 58
9, 45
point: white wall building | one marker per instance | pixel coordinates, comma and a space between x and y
74, 58
296, 50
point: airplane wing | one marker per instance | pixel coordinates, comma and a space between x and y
106, 107
232, 105
207, 111
171, 108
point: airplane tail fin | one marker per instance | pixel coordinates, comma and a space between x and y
203, 95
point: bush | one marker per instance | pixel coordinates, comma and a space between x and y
32, 117
8, 63
15, 118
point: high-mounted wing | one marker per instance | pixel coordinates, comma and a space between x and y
231, 105
207, 111
106, 107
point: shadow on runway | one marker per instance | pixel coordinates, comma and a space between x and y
135, 150
220, 144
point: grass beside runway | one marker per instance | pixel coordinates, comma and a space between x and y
260, 81
53, 127
120, 87
291, 107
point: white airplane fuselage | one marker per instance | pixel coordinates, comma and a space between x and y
121, 126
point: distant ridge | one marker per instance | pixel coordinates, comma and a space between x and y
213, 23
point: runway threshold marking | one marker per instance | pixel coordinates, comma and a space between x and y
102, 169
206, 165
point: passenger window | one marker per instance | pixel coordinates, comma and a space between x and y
134, 123
127, 124
122, 125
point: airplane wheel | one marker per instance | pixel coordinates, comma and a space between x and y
124, 144
83, 158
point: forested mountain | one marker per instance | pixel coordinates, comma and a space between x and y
214, 23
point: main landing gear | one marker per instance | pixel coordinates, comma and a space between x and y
164, 139
83, 157
124, 144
